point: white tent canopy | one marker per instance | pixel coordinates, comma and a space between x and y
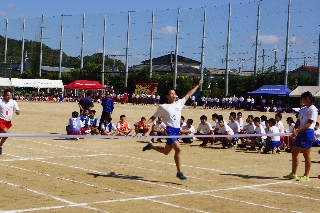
5, 82
315, 91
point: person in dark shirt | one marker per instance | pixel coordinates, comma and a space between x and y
86, 103
107, 108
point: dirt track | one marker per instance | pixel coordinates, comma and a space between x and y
114, 175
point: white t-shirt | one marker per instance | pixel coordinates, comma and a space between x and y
224, 129
217, 126
191, 129
279, 124
171, 113
317, 134
250, 128
159, 126
240, 121
260, 130
104, 126
273, 130
193, 98
7, 109
252, 100
291, 127
234, 126
249, 100
206, 128
308, 113
263, 124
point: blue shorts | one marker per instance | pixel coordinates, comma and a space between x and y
171, 131
233, 140
305, 139
217, 104
316, 143
273, 144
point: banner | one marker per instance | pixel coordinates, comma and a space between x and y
148, 88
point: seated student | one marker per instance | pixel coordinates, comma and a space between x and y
157, 129
188, 130
205, 128
107, 128
233, 124
247, 129
273, 142
93, 123
182, 123
84, 118
217, 126
74, 125
280, 125
316, 142
263, 121
239, 119
224, 129
141, 126
289, 140
123, 127
259, 141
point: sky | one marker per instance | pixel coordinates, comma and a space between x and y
303, 34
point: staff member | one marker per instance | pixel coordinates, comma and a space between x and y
86, 103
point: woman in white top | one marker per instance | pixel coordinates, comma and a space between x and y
304, 135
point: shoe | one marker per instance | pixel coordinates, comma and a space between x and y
290, 176
230, 146
77, 139
274, 150
252, 148
278, 151
242, 145
203, 144
212, 145
147, 147
303, 178
181, 176
159, 140
0, 150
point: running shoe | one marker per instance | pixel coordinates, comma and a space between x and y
274, 150
303, 178
147, 147
229, 146
0, 150
181, 176
290, 176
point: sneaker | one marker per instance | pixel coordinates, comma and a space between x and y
159, 140
274, 150
181, 176
0, 150
77, 138
261, 149
303, 178
147, 147
211, 145
278, 151
290, 176
229, 146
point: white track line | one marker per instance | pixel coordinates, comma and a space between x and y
50, 196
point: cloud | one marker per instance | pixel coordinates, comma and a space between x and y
11, 5
270, 39
2, 13
22, 15
88, 34
294, 41
167, 30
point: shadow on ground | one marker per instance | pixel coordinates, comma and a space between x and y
250, 177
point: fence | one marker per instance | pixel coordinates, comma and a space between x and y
197, 33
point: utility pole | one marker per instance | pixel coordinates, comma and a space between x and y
263, 56
256, 58
41, 43
275, 58
176, 52
286, 63
226, 89
202, 45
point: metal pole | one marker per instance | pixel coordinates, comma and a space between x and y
318, 82
151, 44
60, 59
286, 64
41, 42
176, 53
82, 41
127, 52
104, 47
6, 41
227, 56
257, 42
22, 48
202, 45
263, 55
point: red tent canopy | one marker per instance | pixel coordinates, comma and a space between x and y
85, 85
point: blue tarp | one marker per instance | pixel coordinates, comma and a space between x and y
271, 90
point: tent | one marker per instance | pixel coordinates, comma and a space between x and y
36, 83
5, 82
315, 90
85, 85
271, 90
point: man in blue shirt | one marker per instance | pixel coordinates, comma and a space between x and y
86, 103
107, 108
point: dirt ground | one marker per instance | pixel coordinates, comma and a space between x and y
114, 175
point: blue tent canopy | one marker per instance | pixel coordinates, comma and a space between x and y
271, 90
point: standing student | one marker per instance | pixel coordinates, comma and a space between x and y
86, 103
304, 136
107, 108
171, 113
7, 107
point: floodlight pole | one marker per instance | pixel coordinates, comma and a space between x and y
202, 45
318, 82
60, 58
127, 53
82, 41
41, 43
226, 89
151, 44
287, 48
104, 47
176, 52
22, 48
6, 41
256, 58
